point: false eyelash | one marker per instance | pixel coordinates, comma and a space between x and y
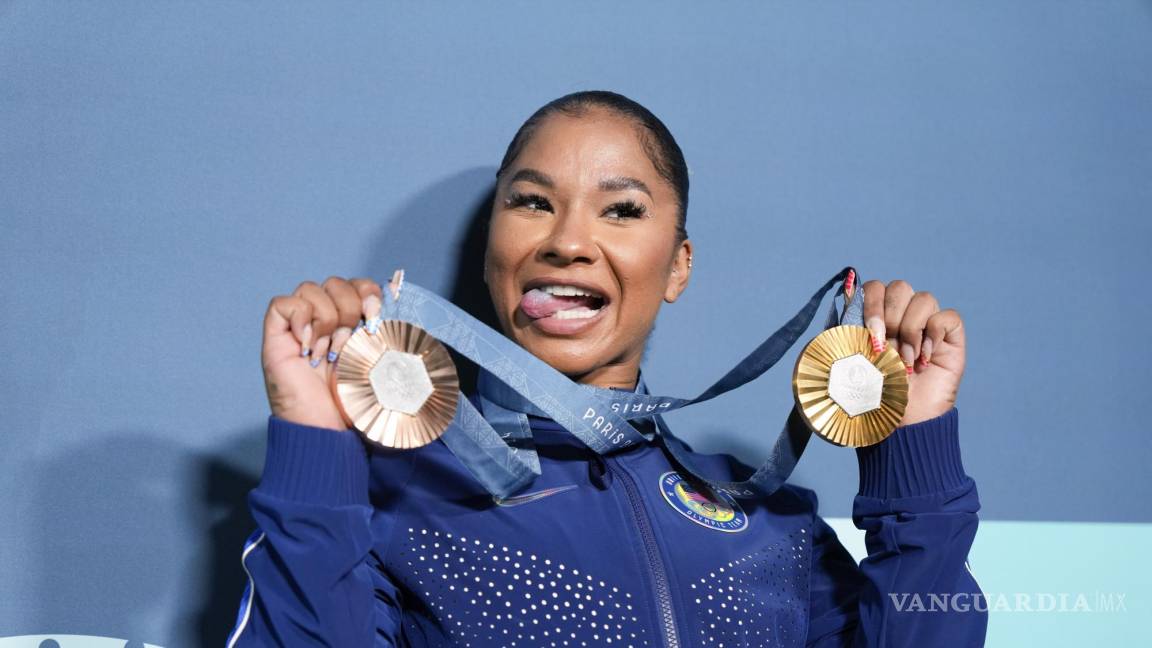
517, 199
628, 209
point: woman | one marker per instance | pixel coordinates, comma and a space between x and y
365, 546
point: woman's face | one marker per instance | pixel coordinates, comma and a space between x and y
582, 247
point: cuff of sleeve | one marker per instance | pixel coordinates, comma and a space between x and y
918, 459
314, 465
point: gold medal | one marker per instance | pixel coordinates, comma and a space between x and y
398, 386
845, 391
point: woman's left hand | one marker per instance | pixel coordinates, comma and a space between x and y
929, 340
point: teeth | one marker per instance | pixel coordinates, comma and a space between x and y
575, 313
567, 291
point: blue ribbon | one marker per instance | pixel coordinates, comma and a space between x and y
496, 446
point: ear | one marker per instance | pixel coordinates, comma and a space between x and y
681, 270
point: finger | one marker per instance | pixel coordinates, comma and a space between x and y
339, 339
922, 306
324, 316
320, 351
874, 313
292, 313
365, 287
346, 299
370, 296
944, 326
897, 294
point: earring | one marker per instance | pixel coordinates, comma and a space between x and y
689, 261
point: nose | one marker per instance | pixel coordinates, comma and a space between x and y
571, 240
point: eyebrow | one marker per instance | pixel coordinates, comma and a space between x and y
614, 183
532, 175
620, 183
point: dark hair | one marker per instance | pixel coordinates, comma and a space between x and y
657, 141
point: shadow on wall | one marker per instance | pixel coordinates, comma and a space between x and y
222, 513
438, 237
117, 524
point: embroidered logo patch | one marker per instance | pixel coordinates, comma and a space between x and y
723, 515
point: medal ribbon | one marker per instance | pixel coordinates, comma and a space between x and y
496, 446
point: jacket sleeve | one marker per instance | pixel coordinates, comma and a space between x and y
918, 509
313, 576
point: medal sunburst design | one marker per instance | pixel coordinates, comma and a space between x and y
818, 405
360, 384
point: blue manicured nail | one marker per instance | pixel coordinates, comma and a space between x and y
332, 356
373, 325
305, 352
315, 362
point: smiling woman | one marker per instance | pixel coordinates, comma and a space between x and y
587, 236
360, 545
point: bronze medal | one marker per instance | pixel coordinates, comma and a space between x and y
398, 386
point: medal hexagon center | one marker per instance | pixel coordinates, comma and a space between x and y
855, 384
400, 381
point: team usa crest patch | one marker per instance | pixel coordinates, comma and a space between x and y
722, 513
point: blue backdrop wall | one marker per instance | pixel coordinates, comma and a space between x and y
166, 168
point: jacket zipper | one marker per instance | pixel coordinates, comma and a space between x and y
655, 563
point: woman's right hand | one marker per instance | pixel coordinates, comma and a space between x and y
303, 333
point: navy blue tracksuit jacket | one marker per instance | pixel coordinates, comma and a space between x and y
363, 546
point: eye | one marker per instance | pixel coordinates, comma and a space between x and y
531, 202
625, 210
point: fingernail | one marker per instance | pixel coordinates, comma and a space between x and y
907, 355
876, 326
926, 350
340, 337
306, 334
372, 313
371, 307
315, 362
397, 283
878, 345
908, 369
323, 345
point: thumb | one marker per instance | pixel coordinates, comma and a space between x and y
289, 314
945, 326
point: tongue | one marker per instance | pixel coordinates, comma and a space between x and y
536, 303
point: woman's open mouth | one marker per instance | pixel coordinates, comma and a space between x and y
560, 307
